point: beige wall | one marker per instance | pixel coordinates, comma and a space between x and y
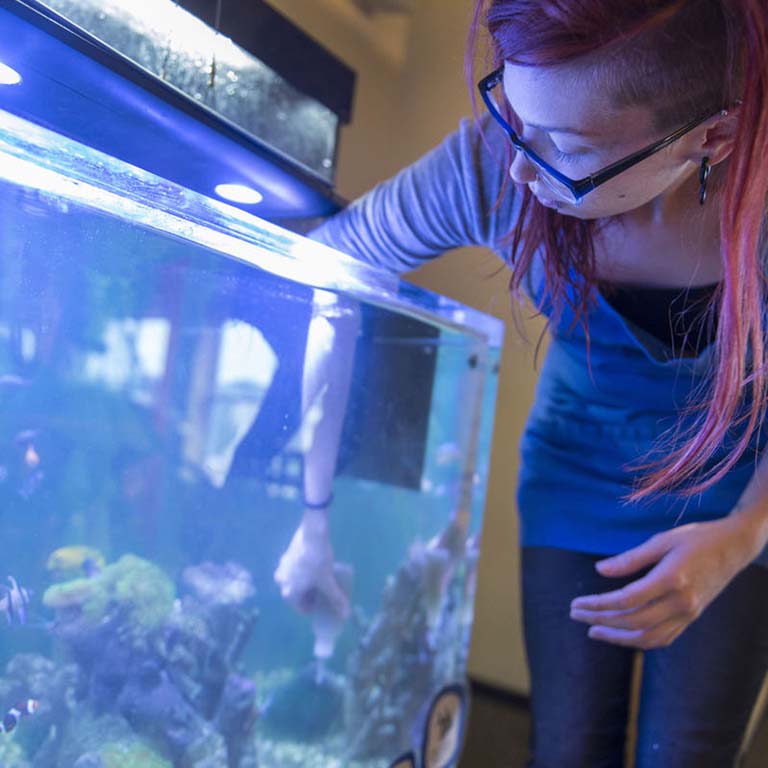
400, 113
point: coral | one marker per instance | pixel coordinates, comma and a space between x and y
89, 760
236, 717
398, 663
12, 755
105, 742
156, 709
209, 751
214, 584
29, 675
132, 592
391, 670
159, 671
202, 640
130, 754
145, 588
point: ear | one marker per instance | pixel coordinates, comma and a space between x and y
716, 137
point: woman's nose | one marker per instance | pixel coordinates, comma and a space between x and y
522, 170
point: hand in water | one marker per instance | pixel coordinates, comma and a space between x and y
306, 574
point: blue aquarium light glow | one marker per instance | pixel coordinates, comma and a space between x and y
239, 193
8, 76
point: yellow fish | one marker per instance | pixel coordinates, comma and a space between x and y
72, 562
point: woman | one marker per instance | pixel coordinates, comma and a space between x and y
642, 495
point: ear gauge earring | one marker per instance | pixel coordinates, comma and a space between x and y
704, 172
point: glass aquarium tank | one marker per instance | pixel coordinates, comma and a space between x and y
242, 480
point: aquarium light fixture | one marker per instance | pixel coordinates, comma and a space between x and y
239, 193
8, 76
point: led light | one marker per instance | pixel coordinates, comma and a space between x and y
9, 76
239, 193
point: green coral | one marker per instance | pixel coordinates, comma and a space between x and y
139, 587
131, 754
12, 755
146, 588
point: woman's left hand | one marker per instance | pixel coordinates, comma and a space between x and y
690, 566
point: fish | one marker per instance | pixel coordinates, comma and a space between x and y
408, 760
14, 602
33, 474
75, 561
14, 714
31, 457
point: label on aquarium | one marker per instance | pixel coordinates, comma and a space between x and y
407, 760
444, 728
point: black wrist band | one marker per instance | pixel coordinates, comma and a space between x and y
323, 505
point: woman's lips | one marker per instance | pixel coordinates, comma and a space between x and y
550, 203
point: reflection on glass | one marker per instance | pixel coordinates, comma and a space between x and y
182, 50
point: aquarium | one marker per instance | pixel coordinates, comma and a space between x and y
192, 402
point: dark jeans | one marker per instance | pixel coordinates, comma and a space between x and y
697, 694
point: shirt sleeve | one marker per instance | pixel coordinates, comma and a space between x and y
447, 199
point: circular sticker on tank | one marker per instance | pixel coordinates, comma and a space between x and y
405, 761
444, 728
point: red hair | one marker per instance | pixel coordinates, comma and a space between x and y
679, 58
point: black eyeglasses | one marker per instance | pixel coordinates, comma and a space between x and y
565, 187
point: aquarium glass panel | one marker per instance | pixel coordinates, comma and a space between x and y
242, 479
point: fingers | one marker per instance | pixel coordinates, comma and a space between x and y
645, 590
647, 616
653, 625
302, 602
647, 554
306, 599
659, 636
335, 595
666, 577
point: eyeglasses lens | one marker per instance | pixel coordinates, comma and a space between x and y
505, 118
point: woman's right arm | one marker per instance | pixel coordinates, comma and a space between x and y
444, 200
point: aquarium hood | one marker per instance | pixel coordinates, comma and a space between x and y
179, 98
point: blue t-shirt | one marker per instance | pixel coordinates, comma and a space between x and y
583, 429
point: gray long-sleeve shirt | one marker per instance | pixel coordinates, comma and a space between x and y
445, 200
